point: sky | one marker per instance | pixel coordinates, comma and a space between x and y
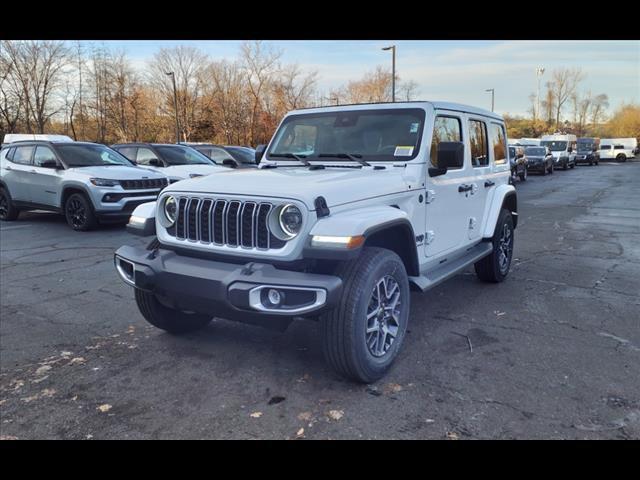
455, 71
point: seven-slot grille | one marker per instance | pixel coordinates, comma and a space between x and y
144, 184
225, 222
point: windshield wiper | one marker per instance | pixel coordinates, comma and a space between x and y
356, 157
300, 158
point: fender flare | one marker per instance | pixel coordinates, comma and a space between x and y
75, 186
504, 195
142, 221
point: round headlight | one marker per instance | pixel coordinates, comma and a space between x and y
290, 220
170, 209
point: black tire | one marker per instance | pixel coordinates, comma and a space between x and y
168, 319
79, 213
347, 346
8, 211
523, 175
492, 268
621, 158
566, 165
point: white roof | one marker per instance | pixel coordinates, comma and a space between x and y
16, 137
389, 105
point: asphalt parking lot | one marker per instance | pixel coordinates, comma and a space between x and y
554, 352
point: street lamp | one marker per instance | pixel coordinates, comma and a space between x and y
175, 104
493, 92
393, 71
539, 73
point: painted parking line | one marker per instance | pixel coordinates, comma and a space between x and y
14, 227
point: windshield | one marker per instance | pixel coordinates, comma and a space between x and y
383, 134
82, 155
554, 145
177, 155
582, 146
242, 154
535, 151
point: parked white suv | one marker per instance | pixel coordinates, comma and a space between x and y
349, 207
87, 182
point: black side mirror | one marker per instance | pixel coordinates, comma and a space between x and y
155, 162
50, 164
260, 149
228, 162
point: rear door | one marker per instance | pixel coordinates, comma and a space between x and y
446, 204
45, 182
18, 173
481, 138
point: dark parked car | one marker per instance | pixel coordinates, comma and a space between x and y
229, 156
587, 151
539, 159
519, 162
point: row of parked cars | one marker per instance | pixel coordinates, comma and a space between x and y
91, 183
543, 155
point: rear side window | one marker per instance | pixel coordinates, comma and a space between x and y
7, 153
618, 147
605, 147
445, 129
499, 144
22, 155
478, 142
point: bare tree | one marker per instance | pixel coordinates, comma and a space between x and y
599, 104
563, 85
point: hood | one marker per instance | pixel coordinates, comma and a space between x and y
535, 157
117, 172
182, 172
336, 185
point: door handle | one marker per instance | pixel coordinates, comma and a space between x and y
464, 188
489, 183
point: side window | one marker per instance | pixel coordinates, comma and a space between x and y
498, 143
145, 155
42, 155
478, 142
218, 155
618, 147
7, 153
445, 129
129, 152
605, 147
22, 155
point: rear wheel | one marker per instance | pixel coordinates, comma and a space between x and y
79, 213
363, 334
168, 319
8, 211
495, 267
621, 158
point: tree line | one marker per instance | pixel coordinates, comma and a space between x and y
93, 93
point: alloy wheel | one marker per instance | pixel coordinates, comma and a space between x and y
383, 316
505, 248
76, 213
4, 205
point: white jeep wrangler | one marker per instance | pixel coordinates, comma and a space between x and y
350, 206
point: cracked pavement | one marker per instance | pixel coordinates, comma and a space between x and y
553, 352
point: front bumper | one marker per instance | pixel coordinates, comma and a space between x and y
537, 166
232, 291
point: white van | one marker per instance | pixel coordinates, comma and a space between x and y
618, 148
563, 149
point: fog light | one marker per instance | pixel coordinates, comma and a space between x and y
275, 297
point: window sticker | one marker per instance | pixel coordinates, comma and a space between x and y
403, 151
414, 127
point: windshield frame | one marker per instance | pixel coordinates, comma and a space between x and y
60, 152
527, 151
420, 112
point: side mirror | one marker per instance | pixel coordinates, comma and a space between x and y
228, 162
155, 162
50, 164
450, 155
260, 149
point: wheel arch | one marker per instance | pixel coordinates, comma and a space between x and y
399, 237
505, 197
70, 189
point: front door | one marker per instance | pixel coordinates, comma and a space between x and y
446, 205
45, 182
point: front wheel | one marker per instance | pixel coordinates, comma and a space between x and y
8, 211
168, 319
363, 334
566, 165
495, 266
79, 213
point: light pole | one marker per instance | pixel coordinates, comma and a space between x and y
393, 71
175, 104
493, 92
539, 73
